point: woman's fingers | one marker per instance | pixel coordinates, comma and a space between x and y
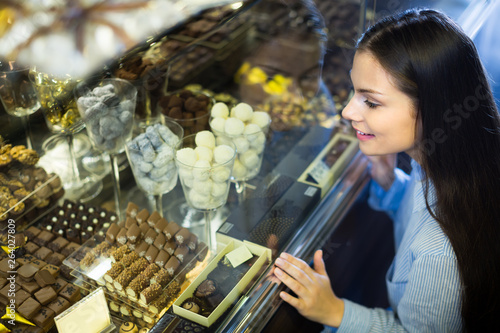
319, 264
293, 282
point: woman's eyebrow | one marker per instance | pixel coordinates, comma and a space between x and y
368, 91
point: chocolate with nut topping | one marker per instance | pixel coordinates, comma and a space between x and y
150, 293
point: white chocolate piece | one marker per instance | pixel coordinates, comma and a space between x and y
201, 170
260, 118
205, 139
251, 130
198, 200
250, 159
185, 173
220, 174
204, 153
219, 189
239, 170
242, 111
220, 110
217, 124
241, 144
223, 140
259, 142
203, 187
223, 154
234, 126
186, 156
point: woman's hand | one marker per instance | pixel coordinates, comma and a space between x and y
315, 298
382, 170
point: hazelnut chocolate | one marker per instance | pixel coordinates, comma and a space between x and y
161, 277
129, 258
150, 293
113, 272
119, 253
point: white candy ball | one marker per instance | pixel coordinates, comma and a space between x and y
186, 173
250, 159
234, 126
220, 174
188, 182
259, 142
223, 140
201, 170
186, 156
242, 111
217, 124
239, 170
219, 189
251, 131
220, 110
204, 153
260, 118
203, 187
199, 200
223, 154
205, 139
241, 144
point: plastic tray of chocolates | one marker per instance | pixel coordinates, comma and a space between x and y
222, 282
142, 261
27, 191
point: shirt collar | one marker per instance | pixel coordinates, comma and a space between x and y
418, 194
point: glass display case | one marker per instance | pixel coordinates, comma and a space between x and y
272, 76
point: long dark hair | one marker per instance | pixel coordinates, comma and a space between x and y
438, 67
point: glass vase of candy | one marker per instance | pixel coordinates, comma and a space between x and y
18, 94
61, 115
247, 130
151, 157
107, 107
205, 172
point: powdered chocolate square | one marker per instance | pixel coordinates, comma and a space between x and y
42, 253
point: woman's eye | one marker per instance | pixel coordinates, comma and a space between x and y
370, 104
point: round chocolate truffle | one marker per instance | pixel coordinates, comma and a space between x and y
129, 327
206, 288
191, 305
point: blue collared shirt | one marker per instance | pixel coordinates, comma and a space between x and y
423, 282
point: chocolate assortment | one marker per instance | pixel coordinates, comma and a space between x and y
26, 190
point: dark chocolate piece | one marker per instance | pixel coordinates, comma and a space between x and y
32, 232
58, 244
137, 285
192, 305
129, 258
55, 259
206, 288
31, 247
43, 238
70, 248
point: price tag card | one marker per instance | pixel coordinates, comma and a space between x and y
90, 315
319, 172
239, 255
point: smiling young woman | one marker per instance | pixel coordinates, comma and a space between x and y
420, 88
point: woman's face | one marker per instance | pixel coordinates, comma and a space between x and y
383, 116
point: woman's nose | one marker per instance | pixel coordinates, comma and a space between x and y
349, 112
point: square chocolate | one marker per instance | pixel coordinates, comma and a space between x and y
30, 287
43, 238
58, 244
29, 307
31, 247
69, 249
59, 305
38, 263
54, 270
45, 295
8, 265
59, 285
20, 296
71, 293
32, 232
27, 272
44, 278
43, 317
42, 253
55, 259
